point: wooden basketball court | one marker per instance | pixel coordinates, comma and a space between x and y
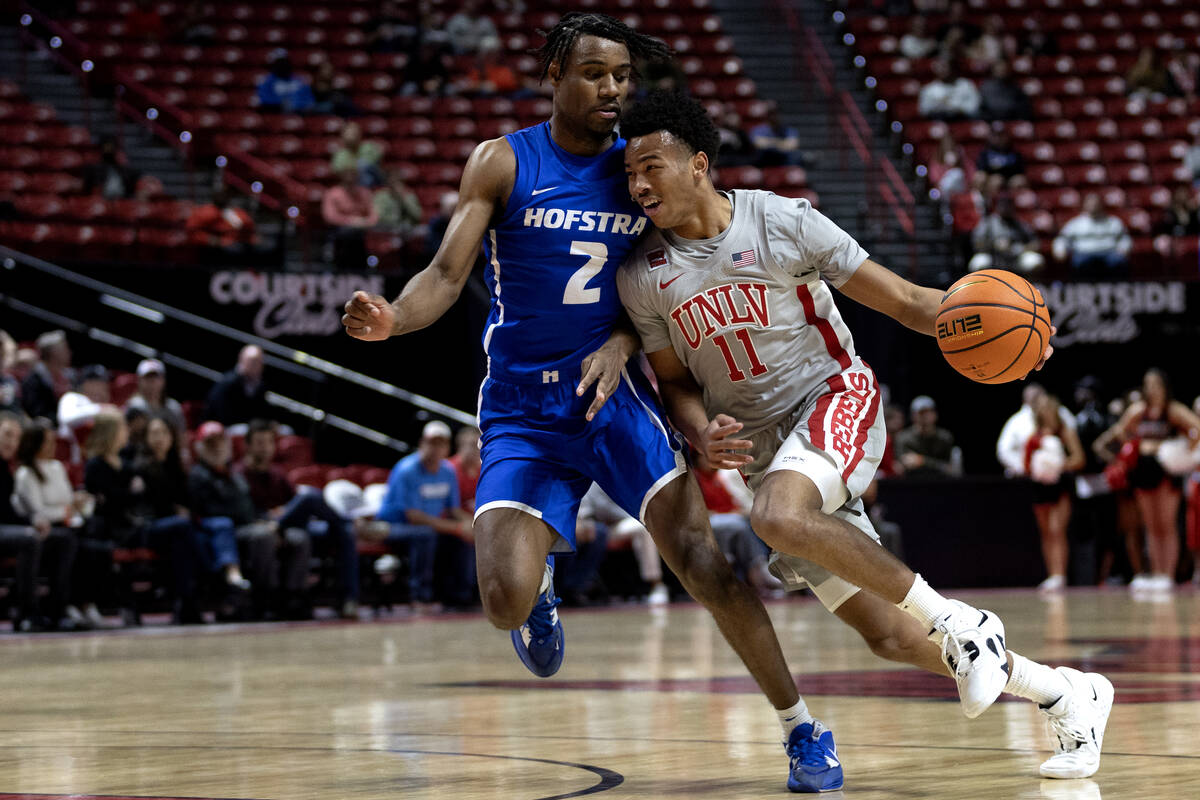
649, 704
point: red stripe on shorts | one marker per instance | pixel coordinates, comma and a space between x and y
816, 422
826, 330
864, 428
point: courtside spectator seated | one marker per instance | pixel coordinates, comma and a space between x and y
1095, 242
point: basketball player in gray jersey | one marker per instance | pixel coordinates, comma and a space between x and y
731, 296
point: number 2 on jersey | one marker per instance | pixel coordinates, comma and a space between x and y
576, 293
735, 373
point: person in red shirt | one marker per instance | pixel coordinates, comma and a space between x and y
349, 210
466, 462
728, 502
275, 498
221, 224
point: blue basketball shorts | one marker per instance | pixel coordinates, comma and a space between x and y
540, 454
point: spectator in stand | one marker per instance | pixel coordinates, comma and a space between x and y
949, 96
33, 543
10, 387
437, 226
577, 575
950, 171
426, 516
1095, 242
893, 422
277, 560
1148, 78
955, 35
277, 500
222, 227
359, 155
125, 514
736, 148
466, 463
397, 206
728, 501
1052, 453
111, 177
1001, 96
1003, 241
1010, 446
151, 395
79, 407
775, 142
469, 28
620, 526
349, 210
42, 492
428, 69
916, 42
328, 98
1181, 218
241, 394
665, 75
144, 22
282, 90
489, 75
1148, 423
993, 45
924, 449
999, 158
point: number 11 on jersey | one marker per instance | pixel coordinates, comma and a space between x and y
735, 373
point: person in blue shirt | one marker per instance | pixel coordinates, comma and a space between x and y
558, 408
282, 90
423, 507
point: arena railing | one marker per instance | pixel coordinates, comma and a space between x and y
13, 263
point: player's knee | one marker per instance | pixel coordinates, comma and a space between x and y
783, 526
506, 605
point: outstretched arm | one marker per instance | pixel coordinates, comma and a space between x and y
915, 307
486, 183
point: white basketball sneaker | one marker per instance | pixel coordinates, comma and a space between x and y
973, 648
1077, 723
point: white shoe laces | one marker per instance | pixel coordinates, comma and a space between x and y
1070, 734
954, 650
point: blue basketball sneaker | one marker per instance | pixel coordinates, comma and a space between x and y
814, 763
539, 642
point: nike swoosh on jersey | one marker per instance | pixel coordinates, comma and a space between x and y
665, 284
536, 192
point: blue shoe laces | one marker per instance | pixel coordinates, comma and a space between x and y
808, 751
541, 620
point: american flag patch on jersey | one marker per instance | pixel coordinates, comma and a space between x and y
745, 258
657, 258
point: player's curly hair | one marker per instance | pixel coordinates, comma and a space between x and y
680, 114
562, 37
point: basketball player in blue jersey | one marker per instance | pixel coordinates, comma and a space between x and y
550, 205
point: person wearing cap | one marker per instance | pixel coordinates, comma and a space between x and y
282, 90
925, 450
50, 378
277, 559
77, 409
276, 499
425, 512
151, 395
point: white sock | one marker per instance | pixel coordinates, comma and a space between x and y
1036, 682
789, 718
923, 603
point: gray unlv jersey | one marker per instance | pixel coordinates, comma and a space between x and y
747, 311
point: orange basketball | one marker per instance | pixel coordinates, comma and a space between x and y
993, 326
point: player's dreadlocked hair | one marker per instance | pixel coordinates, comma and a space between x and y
678, 113
562, 37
